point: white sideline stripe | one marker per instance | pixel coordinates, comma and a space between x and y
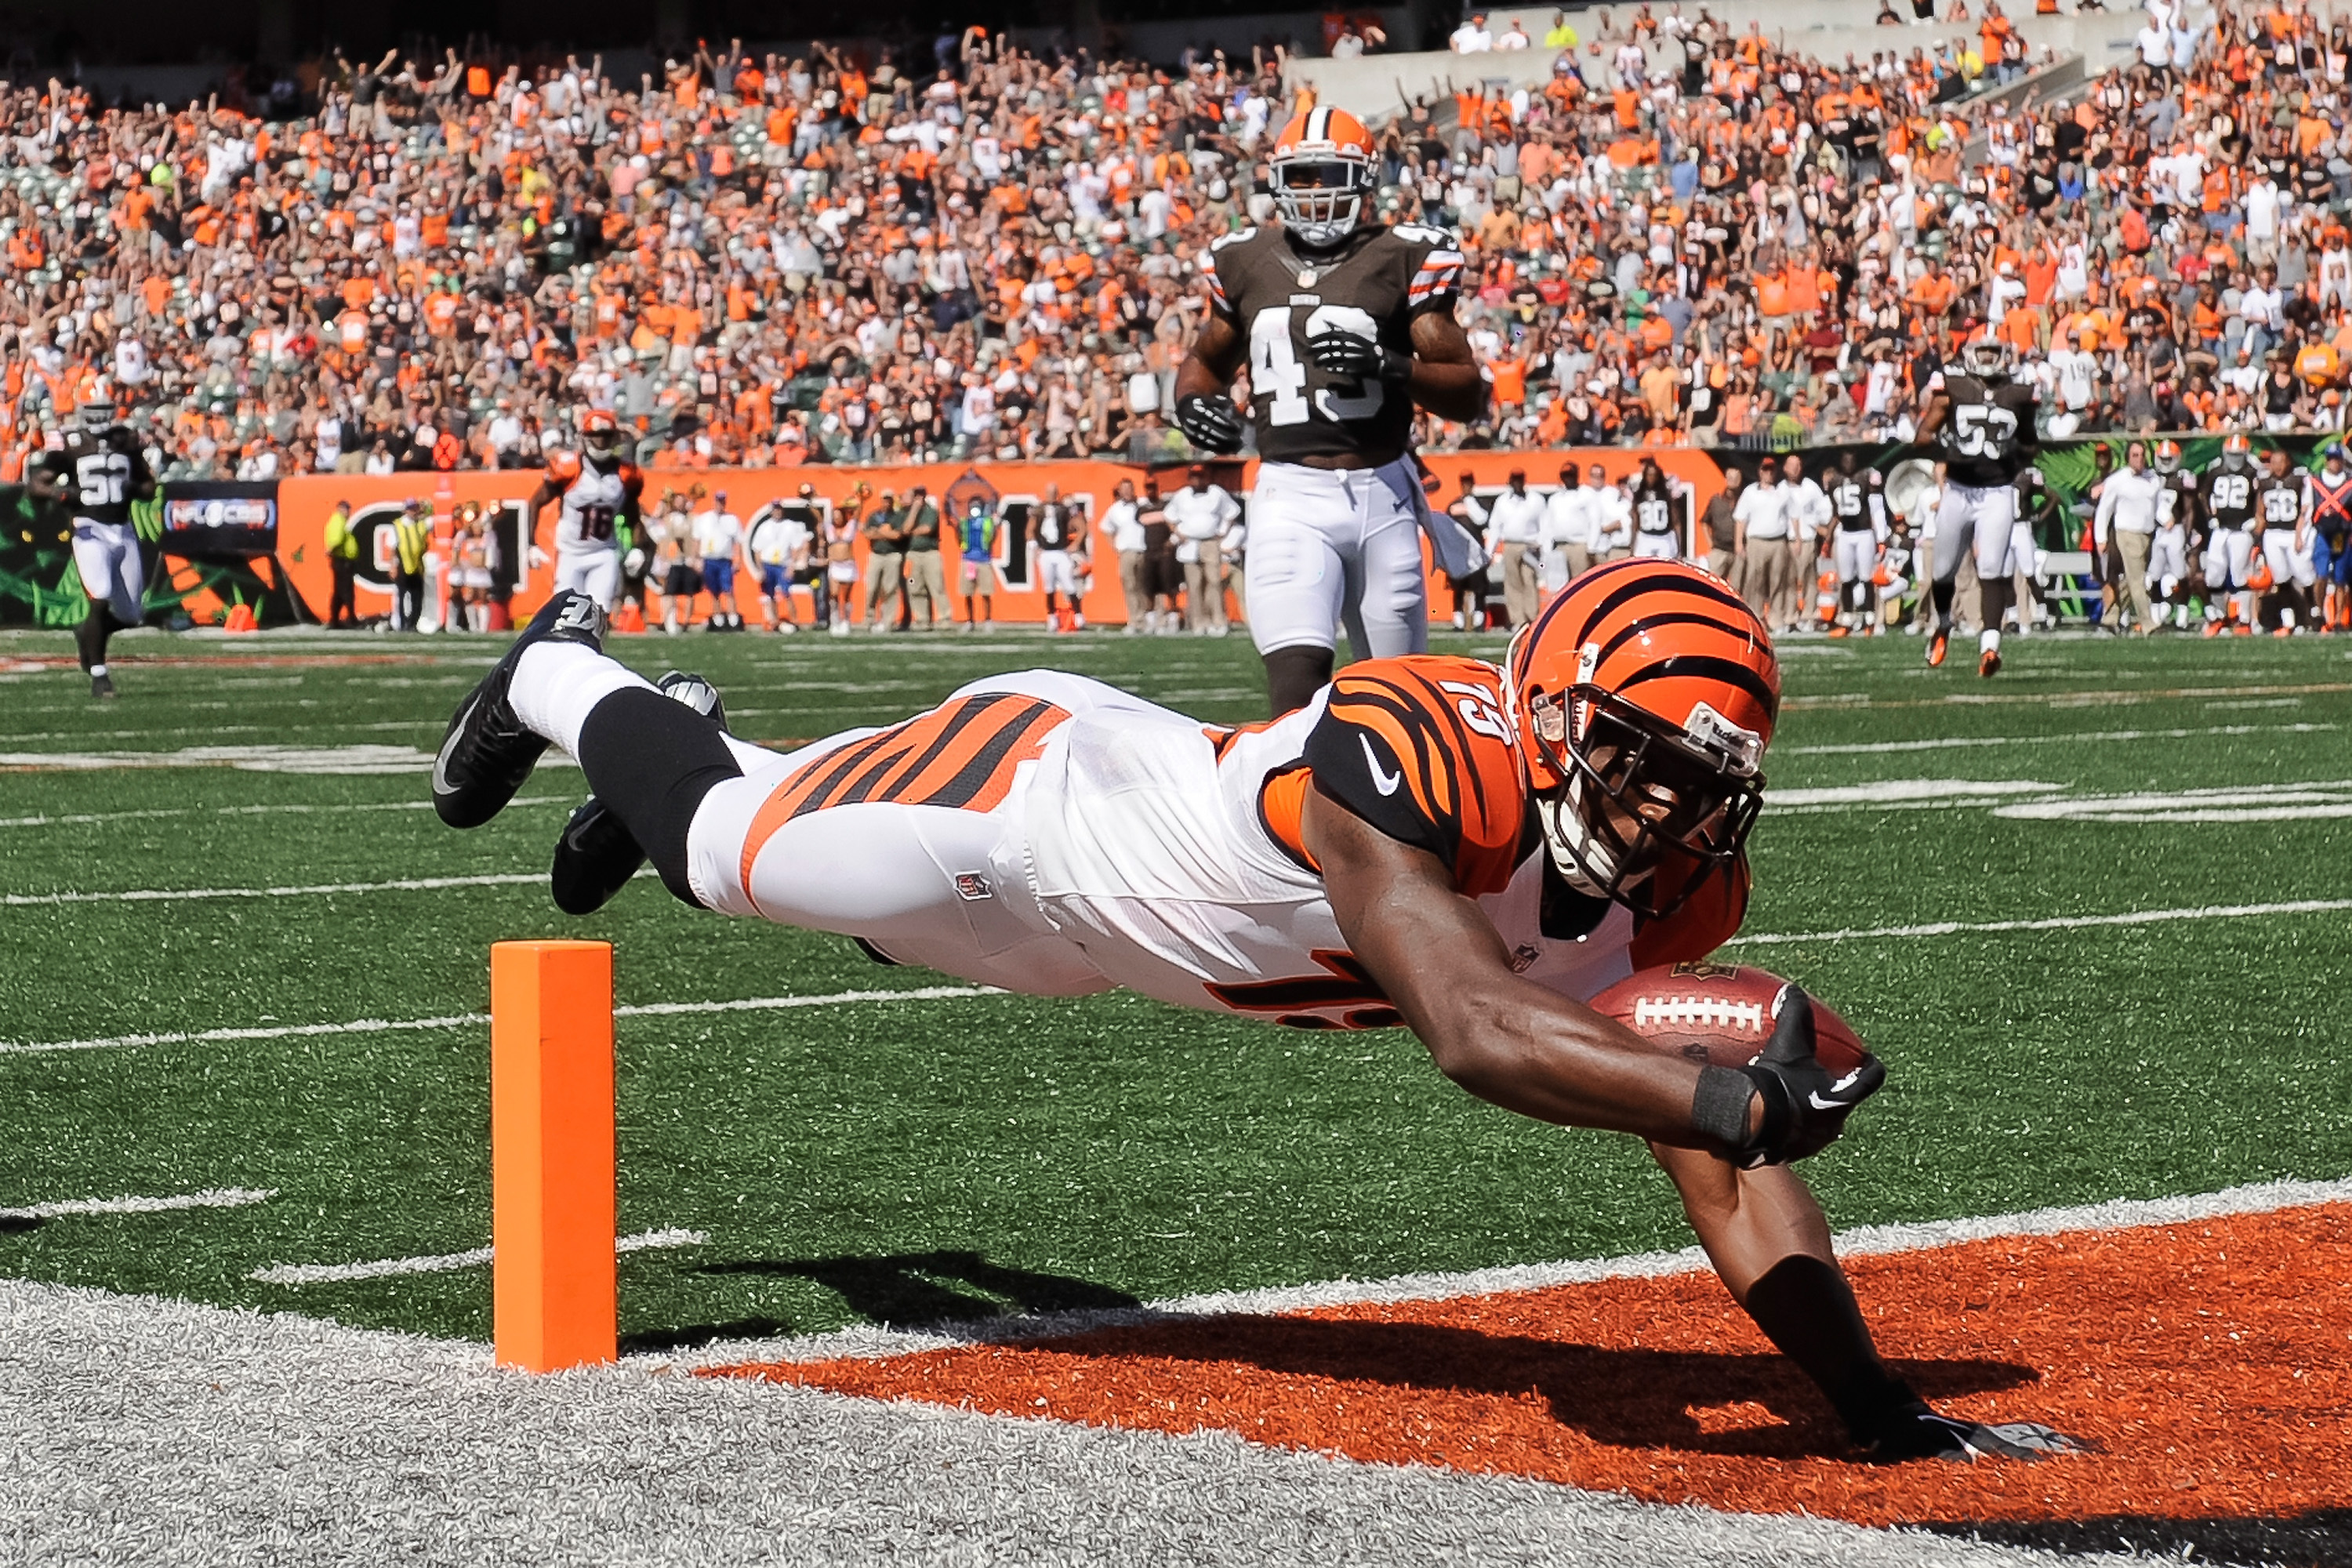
288, 809
462, 1020
210, 1198
874, 1342
1950, 742
443, 1263
316, 889
2056, 922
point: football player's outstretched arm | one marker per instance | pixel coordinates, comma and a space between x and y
1445, 378
1503, 1038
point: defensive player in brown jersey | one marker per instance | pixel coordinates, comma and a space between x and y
97, 470
1471, 850
1344, 325
1981, 422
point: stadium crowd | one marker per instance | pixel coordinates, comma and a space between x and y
1685, 235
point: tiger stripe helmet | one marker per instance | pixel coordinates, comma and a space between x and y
600, 432
1642, 698
1324, 169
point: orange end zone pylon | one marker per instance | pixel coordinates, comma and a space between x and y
552, 1162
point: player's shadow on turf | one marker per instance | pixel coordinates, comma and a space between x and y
1627, 1397
913, 1288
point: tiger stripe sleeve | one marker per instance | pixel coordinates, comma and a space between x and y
1421, 755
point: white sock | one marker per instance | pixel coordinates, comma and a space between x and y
557, 685
1989, 641
96, 671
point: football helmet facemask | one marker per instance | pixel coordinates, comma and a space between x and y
1987, 359
1323, 171
600, 434
1643, 700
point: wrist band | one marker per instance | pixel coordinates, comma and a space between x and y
1719, 1105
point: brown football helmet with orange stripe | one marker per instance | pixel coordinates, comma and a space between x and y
1644, 698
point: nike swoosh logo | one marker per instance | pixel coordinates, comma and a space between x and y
1386, 782
441, 785
1847, 1082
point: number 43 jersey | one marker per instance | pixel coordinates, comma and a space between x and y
1279, 297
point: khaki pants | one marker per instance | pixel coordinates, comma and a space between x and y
926, 580
1765, 584
2133, 548
1131, 588
1522, 584
1204, 589
1797, 604
1724, 563
1578, 558
884, 577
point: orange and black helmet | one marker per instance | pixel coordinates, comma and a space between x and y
1644, 698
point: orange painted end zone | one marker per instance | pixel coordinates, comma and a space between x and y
2212, 1359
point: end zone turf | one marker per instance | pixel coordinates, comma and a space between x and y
2210, 1360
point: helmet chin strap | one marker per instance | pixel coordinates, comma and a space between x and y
1572, 843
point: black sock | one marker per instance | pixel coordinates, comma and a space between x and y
651, 761
1805, 1307
1993, 600
1294, 675
89, 636
1940, 591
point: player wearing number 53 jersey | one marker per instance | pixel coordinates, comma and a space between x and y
97, 473
1344, 325
1468, 849
598, 486
1983, 424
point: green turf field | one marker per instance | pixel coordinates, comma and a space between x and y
909, 1161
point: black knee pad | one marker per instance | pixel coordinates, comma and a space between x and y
651, 759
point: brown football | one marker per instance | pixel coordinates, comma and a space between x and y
1717, 1013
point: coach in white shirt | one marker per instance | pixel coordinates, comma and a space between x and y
1472, 36
1122, 526
2128, 501
1515, 520
1199, 515
1613, 516
1810, 517
1760, 538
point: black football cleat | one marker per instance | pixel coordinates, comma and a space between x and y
595, 857
487, 753
102, 687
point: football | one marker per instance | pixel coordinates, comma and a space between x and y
1721, 1013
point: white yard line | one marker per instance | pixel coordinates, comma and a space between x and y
2056, 922
961, 993
210, 1198
467, 1020
82, 819
872, 1343
443, 1263
2094, 737
316, 889
2081, 698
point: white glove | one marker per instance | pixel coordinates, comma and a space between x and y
537, 557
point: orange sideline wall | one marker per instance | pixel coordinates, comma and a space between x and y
304, 503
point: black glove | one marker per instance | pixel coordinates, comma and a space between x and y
1340, 353
1804, 1107
1210, 421
1916, 1432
